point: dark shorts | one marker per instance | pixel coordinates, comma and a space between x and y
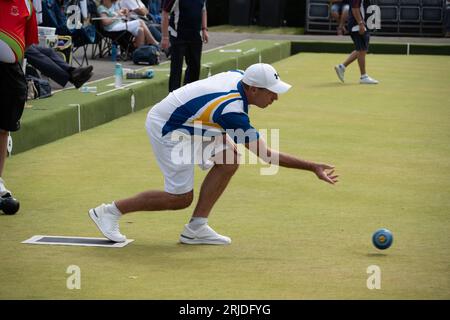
13, 93
361, 41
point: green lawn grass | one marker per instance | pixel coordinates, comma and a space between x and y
294, 237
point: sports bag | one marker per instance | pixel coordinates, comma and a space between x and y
146, 54
38, 88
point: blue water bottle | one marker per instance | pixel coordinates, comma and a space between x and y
114, 52
118, 74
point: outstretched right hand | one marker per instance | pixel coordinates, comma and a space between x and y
325, 172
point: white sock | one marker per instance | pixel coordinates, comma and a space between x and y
342, 66
113, 209
196, 222
364, 75
2, 185
3, 189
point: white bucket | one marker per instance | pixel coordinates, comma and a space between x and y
46, 31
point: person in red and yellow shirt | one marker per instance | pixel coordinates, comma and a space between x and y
18, 29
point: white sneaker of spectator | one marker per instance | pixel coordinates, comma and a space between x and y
365, 79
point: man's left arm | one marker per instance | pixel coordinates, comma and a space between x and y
165, 17
205, 36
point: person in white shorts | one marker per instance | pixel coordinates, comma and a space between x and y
114, 19
200, 123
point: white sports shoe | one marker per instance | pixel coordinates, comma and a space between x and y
204, 235
107, 222
367, 80
340, 71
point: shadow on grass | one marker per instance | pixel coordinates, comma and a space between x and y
377, 254
172, 255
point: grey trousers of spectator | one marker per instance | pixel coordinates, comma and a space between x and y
49, 63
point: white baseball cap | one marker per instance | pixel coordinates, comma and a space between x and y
263, 75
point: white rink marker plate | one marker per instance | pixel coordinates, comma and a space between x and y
76, 241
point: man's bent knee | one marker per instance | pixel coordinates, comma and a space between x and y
181, 201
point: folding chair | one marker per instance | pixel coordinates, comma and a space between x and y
80, 43
64, 48
123, 40
78, 13
105, 39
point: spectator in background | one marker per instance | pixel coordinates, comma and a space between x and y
138, 10
339, 12
360, 37
18, 30
188, 29
49, 63
112, 21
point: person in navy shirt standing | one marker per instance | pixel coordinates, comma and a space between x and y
360, 36
188, 30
